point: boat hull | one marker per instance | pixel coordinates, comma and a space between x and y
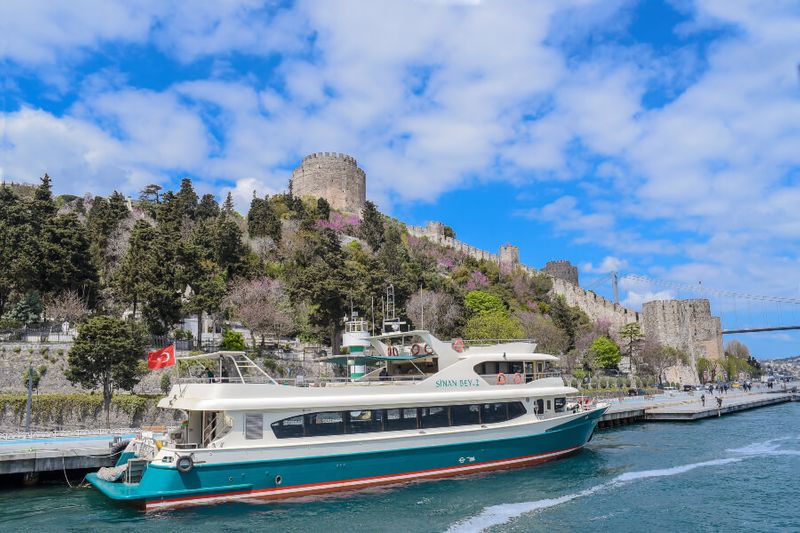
163, 486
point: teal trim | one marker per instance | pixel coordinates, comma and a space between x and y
594, 416
163, 481
124, 457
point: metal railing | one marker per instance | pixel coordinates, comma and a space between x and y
518, 378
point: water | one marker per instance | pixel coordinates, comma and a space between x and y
736, 473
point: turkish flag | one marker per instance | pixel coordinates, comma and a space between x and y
161, 358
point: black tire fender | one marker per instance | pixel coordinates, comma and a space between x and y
184, 464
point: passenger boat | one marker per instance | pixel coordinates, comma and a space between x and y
428, 409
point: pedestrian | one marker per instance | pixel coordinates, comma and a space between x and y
703, 399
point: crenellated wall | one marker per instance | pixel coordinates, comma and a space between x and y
594, 305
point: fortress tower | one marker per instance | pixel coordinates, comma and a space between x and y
333, 176
562, 270
509, 255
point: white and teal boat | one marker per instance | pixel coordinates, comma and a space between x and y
429, 409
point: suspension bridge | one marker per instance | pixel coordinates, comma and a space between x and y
740, 312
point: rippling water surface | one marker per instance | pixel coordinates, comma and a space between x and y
736, 473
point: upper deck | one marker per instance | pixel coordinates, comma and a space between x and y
434, 369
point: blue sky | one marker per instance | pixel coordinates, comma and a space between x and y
658, 138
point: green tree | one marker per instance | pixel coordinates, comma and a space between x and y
132, 278
19, 249
372, 229
323, 209
232, 340
186, 199
151, 194
67, 259
262, 221
28, 310
208, 208
227, 205
632, 336
316, 274
106, 355
492, 326
605, 352
481, 302
228, 248
208, 289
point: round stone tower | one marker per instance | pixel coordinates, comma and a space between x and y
333, 176
562, 270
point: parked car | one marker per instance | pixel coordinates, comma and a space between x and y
636, 392
688, 388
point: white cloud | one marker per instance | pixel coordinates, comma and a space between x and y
634, 300
608, 264
433, 96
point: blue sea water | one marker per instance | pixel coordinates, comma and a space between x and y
736, 473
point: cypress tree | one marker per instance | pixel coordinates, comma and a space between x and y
372, 229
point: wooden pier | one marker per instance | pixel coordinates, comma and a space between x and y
687, 408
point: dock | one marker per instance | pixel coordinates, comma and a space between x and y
30, 456
686, 408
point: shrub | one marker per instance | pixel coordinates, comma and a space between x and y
166, 383
232, 340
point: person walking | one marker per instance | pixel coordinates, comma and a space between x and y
703, 400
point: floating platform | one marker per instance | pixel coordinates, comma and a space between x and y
683, 408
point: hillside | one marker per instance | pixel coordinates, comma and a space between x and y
290, 268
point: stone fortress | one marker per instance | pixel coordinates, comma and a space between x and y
684, 324
333, 176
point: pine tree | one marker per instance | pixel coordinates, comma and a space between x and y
227, 206
186, 199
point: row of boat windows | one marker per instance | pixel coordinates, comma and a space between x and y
375, 420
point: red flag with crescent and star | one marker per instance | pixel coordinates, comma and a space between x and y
161, 358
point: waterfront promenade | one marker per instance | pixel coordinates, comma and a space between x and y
683, 406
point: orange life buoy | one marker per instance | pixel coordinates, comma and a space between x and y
517, 378
393, 350
415, 349
501, 379
458, 345
428, 349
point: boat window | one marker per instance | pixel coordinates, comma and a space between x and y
288, 427
464, 415
397, 419
376, 420
548, 405
515, 409
559, 404
540, 406
493, 412
330, 423
253, 426
433, 417
364, 421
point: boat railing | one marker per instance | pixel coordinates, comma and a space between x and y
492, 342
305, 381
518, 378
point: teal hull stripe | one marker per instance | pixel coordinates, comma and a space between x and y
162, 483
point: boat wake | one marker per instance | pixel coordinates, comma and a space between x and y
502, 513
